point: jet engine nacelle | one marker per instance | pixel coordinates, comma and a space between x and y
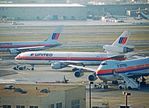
78, 73
127, 49
57, 65
118, 49
14, 51
92, 77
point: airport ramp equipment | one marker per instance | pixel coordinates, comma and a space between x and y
130, 83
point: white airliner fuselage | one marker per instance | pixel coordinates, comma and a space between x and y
60, 59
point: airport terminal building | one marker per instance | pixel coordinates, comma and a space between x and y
66, 11
42, 96
115, 9
43, 11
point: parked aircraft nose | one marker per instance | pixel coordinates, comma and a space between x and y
18, 57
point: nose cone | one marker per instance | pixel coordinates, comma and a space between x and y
18, 57
99, 69
103, 67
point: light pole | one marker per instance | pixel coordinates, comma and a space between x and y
90, 90
126, 100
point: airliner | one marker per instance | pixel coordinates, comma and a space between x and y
18, 47
113, 70
59, 60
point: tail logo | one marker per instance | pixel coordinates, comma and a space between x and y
55, 36
122, 40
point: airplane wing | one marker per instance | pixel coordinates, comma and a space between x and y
84, 68
76, 64
73, 64
31, 48
23, 49
137, 54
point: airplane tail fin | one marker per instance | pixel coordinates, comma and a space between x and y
121, 40
55, 35
119, 45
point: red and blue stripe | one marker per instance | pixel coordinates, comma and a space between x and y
122, 70
122, 40
66, 58
55, 36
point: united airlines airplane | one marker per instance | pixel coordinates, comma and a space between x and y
59, 60
113, 70
18, 47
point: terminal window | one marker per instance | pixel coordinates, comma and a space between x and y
6, 106
75, 103
52, 106
33, 107
59, 105
20, 106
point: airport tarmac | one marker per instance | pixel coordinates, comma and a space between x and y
89, 22
77, 38
112, 96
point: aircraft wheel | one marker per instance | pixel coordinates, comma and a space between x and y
120, 87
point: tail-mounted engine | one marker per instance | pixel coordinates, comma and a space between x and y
118, 49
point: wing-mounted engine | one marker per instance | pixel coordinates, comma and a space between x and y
58, 65
14, 51
118, 49
78, 73
92, 77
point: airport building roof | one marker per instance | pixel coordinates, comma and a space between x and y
41, 5
42, 95
34, 89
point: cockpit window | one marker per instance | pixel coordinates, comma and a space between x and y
104, 63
